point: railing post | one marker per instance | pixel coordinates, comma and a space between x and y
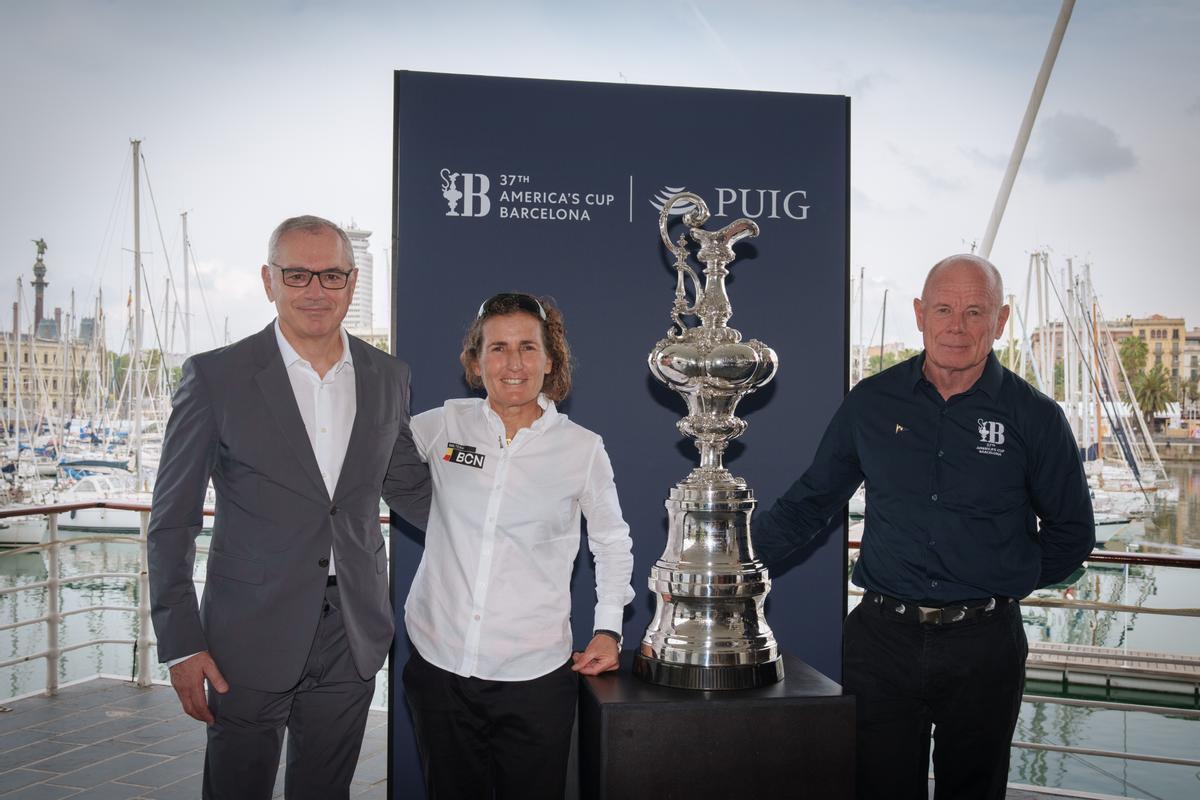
53, 653
143, 612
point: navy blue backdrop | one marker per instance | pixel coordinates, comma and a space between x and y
549, 187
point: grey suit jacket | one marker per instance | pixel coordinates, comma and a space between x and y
235, 419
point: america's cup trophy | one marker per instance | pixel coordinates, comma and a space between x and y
708, 630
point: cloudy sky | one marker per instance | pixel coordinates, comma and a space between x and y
250, 112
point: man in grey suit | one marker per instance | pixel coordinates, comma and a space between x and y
301, 429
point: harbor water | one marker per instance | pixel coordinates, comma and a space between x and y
1175, 530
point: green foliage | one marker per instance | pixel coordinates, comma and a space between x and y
1153, 390
889, 360
1133, 351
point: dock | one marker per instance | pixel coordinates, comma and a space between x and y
107, 739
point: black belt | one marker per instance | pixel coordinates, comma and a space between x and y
935, 615
331, 580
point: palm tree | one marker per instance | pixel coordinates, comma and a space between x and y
1133, 352
1153, 391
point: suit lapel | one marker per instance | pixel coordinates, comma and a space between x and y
280, 399
365, 410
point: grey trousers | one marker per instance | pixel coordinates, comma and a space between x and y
324, 715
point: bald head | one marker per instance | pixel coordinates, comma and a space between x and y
966, 263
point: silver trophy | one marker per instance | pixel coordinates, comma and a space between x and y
708, 630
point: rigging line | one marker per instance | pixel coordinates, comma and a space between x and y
1129, 384
1075, 336
111, 224
866, 354
162, 239
203, 298
1105, 383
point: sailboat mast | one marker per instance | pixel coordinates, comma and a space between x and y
18, 378
1031, 110
187, 305
882, 327
135, 359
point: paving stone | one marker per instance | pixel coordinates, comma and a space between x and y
106, 730
81, 719
18, 778
178, 745
168, 772
42, 791
110, 791
157, 731
116, 768
81, 757
186, 789
35, 752
18, 738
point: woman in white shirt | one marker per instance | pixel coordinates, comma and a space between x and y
492, 682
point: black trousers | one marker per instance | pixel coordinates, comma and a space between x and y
480, 739
964, 679
325, 715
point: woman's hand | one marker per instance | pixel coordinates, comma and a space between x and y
602, 655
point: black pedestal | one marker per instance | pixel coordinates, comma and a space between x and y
792, 739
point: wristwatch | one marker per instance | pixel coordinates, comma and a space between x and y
611, 634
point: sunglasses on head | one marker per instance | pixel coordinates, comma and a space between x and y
502, 302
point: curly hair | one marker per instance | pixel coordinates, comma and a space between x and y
557, 384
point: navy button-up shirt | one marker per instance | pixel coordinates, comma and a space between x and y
955, 488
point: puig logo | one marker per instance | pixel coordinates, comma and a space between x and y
474, 197
749, 203
666, 193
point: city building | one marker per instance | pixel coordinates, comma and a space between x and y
358, 318
1164, 337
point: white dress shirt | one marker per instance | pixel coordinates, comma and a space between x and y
492, 596
327, 406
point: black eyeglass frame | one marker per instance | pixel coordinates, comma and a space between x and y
318, 274
525, 302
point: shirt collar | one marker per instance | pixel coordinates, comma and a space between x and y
290, 356
549, 414
989, 381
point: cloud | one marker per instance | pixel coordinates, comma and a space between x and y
994, 160
1067, 146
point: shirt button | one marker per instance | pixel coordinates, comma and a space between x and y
324, 430
934, 498
941, 453
332, 510
324, 562
476, 617
933, 584
931, 544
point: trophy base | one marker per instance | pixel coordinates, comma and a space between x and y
691, 676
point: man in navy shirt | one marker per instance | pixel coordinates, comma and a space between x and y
961, 459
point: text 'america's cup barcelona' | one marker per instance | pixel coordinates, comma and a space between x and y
708, 630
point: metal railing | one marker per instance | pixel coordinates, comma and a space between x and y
1106, 557
54, 616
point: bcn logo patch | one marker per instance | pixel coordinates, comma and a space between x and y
463, 454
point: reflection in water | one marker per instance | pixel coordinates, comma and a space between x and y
76, 561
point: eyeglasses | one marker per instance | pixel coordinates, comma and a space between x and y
497, 305
299, 277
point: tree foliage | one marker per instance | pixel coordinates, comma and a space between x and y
1153, 390
1133, 353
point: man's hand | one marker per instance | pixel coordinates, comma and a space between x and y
601, 655
188, 679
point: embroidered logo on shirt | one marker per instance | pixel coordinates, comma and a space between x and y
463, 454
991, 436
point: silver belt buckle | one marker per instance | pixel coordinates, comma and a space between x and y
929, 616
